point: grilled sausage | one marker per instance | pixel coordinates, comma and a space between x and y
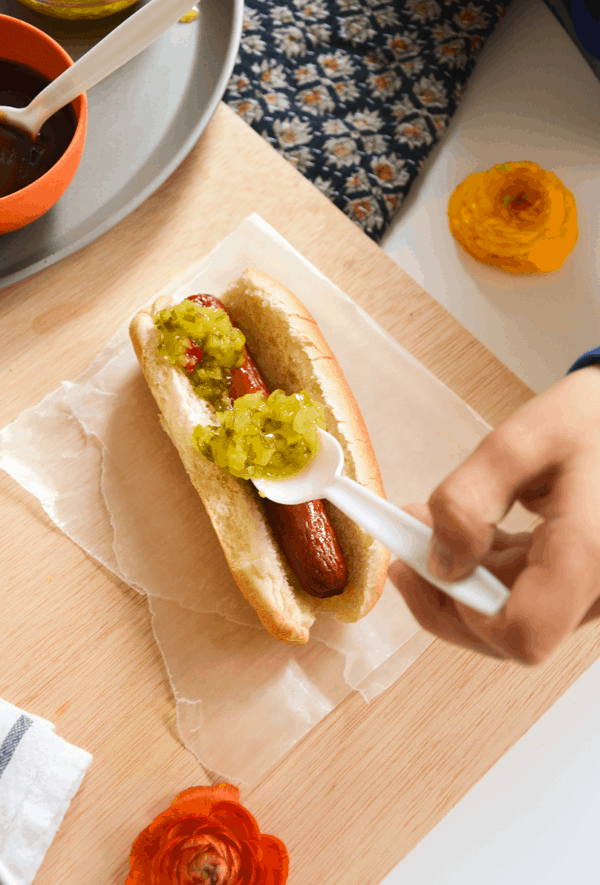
304, 531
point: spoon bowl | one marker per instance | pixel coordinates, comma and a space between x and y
401, 533
309, 483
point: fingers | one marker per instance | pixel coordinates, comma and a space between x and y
439, 613
554, 576
553, 594
470, 502
546, 456
526, 458
467, 506
435, 611
555, 587
556, 591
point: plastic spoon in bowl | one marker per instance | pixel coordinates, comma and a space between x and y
400, 532
126, 41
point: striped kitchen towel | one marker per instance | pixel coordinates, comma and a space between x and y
39, 775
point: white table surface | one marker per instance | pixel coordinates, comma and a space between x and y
534, 816
532, 96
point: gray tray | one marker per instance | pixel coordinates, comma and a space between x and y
142, 121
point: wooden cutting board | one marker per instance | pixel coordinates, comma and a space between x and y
363, 787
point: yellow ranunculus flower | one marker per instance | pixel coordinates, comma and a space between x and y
517, 216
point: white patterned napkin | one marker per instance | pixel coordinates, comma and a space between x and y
39, 775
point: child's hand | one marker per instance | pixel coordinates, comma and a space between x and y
546, 455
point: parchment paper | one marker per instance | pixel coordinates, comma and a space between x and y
94, 454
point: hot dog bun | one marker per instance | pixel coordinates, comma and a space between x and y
292, 355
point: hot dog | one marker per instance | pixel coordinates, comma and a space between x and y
284, 350
304, 531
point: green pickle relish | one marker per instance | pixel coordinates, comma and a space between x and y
202, 342
263, 437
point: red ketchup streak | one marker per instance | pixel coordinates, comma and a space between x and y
193, 356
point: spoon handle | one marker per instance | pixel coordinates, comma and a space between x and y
409, 539
126, 41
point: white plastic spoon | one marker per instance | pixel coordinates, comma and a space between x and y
400, 532
126, 41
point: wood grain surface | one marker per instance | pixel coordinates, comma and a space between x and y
362, 788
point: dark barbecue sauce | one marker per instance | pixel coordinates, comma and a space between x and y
22, 160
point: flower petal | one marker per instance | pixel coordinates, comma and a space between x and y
276, 861
211, 794
237, 819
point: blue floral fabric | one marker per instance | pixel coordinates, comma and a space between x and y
355, 93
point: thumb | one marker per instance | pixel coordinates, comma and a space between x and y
469, 503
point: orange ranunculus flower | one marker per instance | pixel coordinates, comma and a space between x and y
517, 216
206, 837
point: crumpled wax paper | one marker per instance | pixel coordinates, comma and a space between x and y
94, 454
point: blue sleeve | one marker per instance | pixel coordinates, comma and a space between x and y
588, 359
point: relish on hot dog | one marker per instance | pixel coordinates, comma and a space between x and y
289, 562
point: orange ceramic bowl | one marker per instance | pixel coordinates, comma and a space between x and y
21, 42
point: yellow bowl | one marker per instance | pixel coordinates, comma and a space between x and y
77, 9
